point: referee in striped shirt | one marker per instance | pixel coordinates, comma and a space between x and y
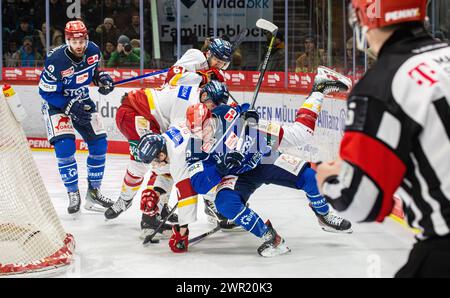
397, 137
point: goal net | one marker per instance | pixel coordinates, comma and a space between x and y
31, 235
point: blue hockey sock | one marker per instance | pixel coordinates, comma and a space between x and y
229, 204
69, 172
95, 169
96, 162
308, 184
65, 153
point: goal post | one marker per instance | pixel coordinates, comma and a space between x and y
32, 238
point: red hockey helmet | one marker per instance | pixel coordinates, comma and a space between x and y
196, 117
381, 13
75, 29
371, 14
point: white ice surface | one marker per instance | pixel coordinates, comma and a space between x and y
113, 249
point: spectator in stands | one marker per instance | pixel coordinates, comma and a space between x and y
107, 32
54, 33
9, 54
25, 29
107, 52
58, 40
136, 44
133, 30
311, 58
27, 55
125, 56
276, 61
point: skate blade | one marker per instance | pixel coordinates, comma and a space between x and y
331, 230
94, 207
279, 250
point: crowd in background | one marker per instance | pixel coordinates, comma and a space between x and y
114, 25
117, 34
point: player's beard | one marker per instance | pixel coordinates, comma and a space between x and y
77, 50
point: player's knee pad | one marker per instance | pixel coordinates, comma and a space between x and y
228, 203
98, 146
65, 147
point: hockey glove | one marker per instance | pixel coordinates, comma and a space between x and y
210, 74
229, 161
177, 242
149, 202
243, 108
104, 81
205, 77
80, 111
216, 74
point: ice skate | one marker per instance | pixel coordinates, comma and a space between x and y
74, 204
150, 223
328, 80
115, 210
334, 223
273, 244
95, 201
214, 217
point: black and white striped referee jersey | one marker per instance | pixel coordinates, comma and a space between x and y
397, 138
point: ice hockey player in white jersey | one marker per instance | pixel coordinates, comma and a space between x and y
196, 67
210, 168
68, 71
154, 111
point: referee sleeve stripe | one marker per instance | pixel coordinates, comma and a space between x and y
366, 153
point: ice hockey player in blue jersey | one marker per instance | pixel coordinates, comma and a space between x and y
68, 71
216, 158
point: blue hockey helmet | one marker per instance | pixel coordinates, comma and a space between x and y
216, 91
222, 50
150, 146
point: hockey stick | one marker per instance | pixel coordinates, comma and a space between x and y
151, 74
199, 238
268, 26
149, 239
239, 39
